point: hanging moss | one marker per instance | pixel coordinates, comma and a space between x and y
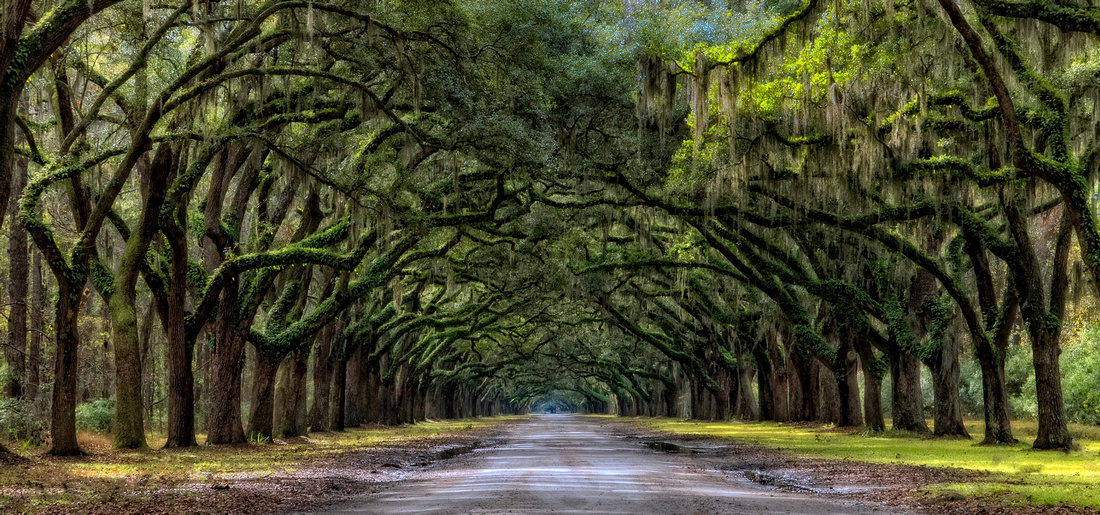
102, 277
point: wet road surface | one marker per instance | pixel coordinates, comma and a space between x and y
568, 464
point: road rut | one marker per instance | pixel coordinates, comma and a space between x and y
564, 464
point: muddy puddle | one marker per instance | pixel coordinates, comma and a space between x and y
670, 447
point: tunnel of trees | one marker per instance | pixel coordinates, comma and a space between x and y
254, 219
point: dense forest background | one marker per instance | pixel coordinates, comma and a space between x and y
232, 221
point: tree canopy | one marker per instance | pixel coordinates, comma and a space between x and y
336, 213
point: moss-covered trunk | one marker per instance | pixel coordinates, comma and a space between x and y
262, 412
290, 396
872, 386
339, 397
67, 336
320, 411
906, 407
352, 404
375, 394
181, 383
224, 421
947, 414
38, 326
129, 408
851, 412
766, 378
15, 352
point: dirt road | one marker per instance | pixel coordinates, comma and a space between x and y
569, 464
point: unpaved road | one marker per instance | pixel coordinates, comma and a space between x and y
568, 464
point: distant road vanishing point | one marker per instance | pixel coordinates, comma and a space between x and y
569, 464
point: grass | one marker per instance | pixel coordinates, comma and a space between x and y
44, 481
1017, 474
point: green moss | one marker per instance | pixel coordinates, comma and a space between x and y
102, 277
196, 274
1013, 473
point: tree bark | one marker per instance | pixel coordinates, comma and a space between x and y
851, 413
290, 396
947, 416
38, 326
352, 415
375, 392
766, 377
339, 389
1045, 334
747, 407
262, 412
19, 260
63, 408
181, 383
224, 421
872, 387
827, 394
323, 370
129, 408
801, 385
906, 405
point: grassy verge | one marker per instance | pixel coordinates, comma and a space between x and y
109, 477
1017, 474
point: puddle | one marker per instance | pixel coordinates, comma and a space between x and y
446, 454
451, 452
670, 447
776, 481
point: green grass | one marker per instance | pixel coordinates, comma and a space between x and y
45, 481
1018, 475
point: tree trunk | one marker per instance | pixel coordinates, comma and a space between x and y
826, 394
129, 408
290, 397
906, 404
872, 387
723, 400
765, 379
339, 389
224, 421
122, 303
747, 407
851, 413
998, 424
375, 393
181, 379
261, 415
323, 368
947, 416
1053, 432
17, 288
802, 392
696, 399
363, 387
63, 409
38, 325
352, 416
669, 396
1046, 330
149, 383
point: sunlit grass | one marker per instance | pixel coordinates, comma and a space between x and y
1018, 473
44, 481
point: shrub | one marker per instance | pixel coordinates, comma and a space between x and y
1020, 382
1080, 364
20, 421
96, 416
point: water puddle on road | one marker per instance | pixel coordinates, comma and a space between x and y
670, 447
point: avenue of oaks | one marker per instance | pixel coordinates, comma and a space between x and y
260, 218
